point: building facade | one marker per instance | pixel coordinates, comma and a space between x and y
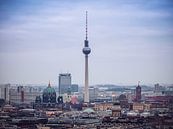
138, 93
74, 88
23, 94
158, 88
93, 93
138, 106
64, 83
49, 95
4, 92
103, 106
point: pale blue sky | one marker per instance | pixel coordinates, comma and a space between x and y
131, 40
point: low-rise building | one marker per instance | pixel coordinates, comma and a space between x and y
116, 110
138, 106
103, 106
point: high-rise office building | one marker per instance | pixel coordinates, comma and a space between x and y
64, 83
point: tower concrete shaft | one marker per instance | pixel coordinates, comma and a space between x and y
86, 98
86, 51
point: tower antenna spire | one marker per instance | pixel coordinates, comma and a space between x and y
86, 25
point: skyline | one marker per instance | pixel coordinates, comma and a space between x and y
131, 41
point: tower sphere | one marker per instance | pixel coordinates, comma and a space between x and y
86, 50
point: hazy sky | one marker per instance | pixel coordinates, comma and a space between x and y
131, 40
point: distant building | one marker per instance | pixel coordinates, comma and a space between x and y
123, 101
103, 99
158, 88
74, 99
103, 106
159, 101
74, 88
23, 94
114, 97
66, 98
168, 91
64, 83
138, 106
48, 99
4, 92
93, 93
141, 107
116, 109
138, 93
49, 95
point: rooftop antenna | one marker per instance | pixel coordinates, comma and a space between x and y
86, 25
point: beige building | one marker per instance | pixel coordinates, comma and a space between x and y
103, 106
138, 106
147, 107
141, 106
116, 112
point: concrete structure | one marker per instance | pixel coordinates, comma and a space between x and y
158, 88
138, 106
86, 51
116, 109
66, 98
103, 106
93, 93
74, 88
116, 112
4, 92
141, 107
64, 83
23, 94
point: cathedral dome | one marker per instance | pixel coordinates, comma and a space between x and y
49, 95
49, 90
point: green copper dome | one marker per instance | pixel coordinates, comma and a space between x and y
49, 95
49, 90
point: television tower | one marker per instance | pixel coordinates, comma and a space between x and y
86, 51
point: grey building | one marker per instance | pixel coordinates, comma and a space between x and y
4, 92
158, 88
93, 92
64, 83
23, 94
74, 88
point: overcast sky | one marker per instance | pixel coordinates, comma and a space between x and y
131, 41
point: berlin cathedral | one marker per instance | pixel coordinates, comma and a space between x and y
48, 98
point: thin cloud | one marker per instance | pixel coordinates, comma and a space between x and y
125, 37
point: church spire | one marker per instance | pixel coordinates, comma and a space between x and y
49, 84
